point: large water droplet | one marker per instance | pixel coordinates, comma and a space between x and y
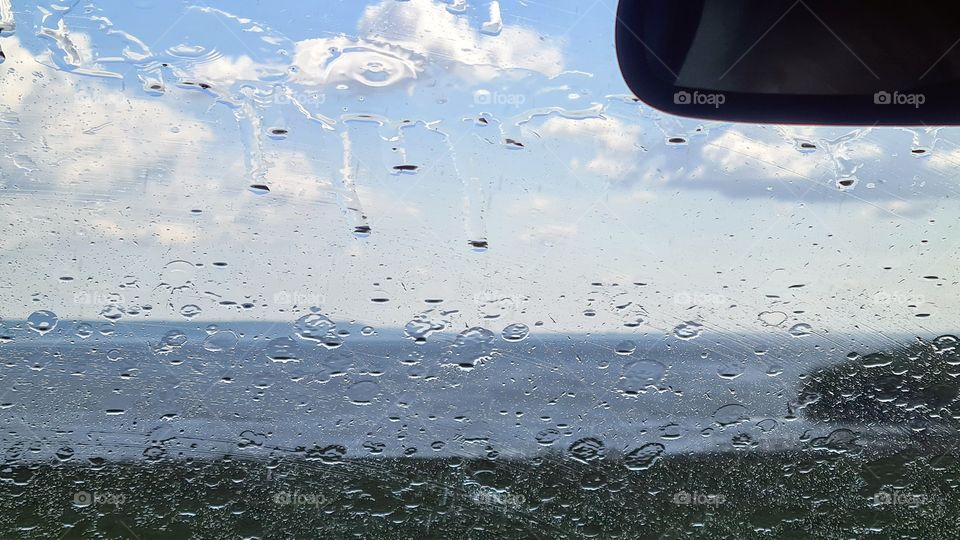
422, 325
363, 392
587, 450
641, 459
626, 347
42, 321
639, 375
515, 332
547, 437
173, 339
283, 350
83, 331
190, 311
220, 341
731, 369
801, 329
730, 414
772, 318
472, 347
688, 330
945, 343
315, 327
179, 273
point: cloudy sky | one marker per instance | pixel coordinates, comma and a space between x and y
134, 130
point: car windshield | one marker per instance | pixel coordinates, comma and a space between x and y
426, 268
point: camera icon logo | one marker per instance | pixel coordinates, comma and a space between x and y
483, 97
882, 98
682, 98
882, 498
83, 498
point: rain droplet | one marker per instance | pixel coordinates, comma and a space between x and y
806, 147
220, 341
315, 327
83, 331
420, 328
65, 453
731, 369
876, 360
547, 437
111, 313
688, 330
363, 392
190, 311
328, 455
846, 182
730, 414
42, 321
767, 425
626, 347
479, 245
283, 350
945, 343
472, 347
587, 450
173, 339
801, 329
772, 318
641, 459
639, 375
515, 332
671, 432
179, 273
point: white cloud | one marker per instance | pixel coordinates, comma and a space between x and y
98, 133
227, 70
395, 41
536, 203
328, 61
613, 140
550, 233
396, 37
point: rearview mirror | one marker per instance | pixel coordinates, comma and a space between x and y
848, 62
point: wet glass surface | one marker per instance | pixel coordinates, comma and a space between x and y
425, 268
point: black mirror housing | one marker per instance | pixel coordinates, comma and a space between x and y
819, 62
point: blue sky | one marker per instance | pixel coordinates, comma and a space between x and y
120, 172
